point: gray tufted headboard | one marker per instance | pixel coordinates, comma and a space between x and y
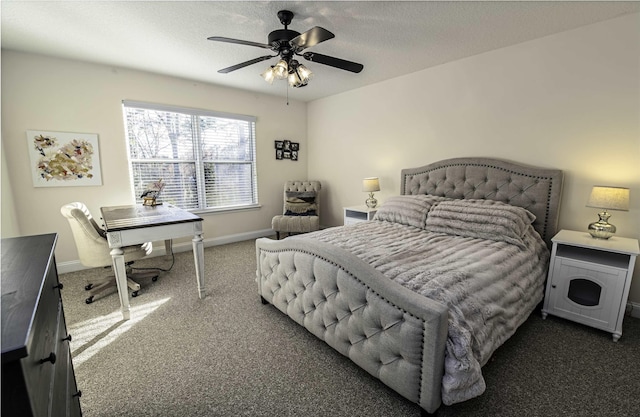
539, 190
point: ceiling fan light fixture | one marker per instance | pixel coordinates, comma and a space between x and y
304, 73
269, 75
281, 69
287, 44
300, 76
294, 80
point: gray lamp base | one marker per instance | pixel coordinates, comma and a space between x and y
602, 229
371, 201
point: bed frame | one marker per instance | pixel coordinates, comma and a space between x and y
393, 333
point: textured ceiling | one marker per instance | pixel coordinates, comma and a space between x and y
389, 38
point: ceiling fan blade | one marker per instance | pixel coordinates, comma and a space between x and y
238, 41
312, 37
245, 64
333, 62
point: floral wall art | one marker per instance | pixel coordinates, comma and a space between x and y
61, 159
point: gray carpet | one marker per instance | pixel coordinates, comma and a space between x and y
229, 355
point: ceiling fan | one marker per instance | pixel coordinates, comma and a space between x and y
287, 44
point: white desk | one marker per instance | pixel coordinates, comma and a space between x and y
134, 225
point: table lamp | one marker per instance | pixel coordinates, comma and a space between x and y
370, 185
606, 198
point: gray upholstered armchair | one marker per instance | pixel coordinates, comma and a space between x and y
301, 212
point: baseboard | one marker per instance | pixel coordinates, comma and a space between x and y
633, 309
158, 250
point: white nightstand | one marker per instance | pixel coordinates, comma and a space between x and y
357, 214
589, 279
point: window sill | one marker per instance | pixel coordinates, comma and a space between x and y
226, 209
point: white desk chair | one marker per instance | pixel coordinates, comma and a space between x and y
94, 252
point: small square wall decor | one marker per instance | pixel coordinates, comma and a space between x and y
285, 149
62, 159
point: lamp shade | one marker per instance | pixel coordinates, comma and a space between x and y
370, 184
268, 75
304, 73
610, 198
294, 80
281, 70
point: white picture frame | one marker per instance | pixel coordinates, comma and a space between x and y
64, 159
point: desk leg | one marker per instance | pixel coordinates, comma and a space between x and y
198, 255
168, 247
120, 271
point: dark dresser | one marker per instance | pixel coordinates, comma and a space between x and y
37, 372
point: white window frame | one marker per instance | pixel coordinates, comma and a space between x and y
199, 162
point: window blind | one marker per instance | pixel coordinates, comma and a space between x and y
206, 159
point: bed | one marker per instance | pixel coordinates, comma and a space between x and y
421, 296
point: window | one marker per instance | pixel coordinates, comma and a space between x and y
206, 159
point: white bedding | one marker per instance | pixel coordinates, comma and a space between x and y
490, 285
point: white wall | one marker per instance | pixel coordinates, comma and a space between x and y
569, 101
9, 223
41, 93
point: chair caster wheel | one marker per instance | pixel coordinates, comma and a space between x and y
154, 279
88, 287
89, 300
134, 294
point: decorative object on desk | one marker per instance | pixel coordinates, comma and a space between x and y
61, 159
150, 195
369, 185
285, 149
606, 198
